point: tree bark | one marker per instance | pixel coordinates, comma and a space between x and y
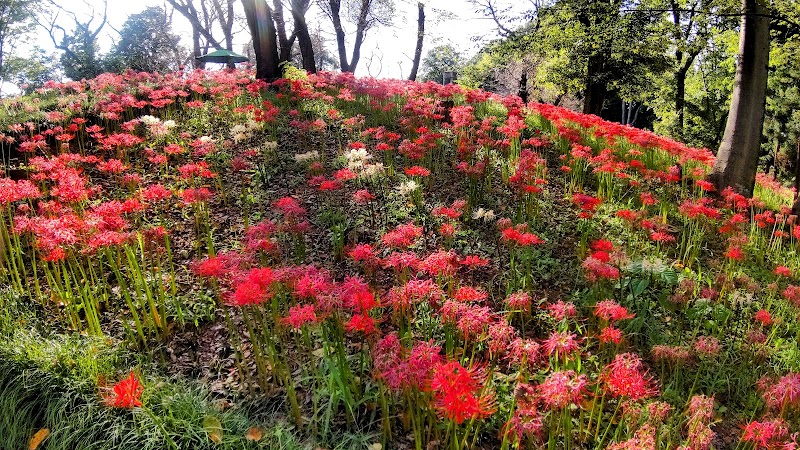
737, 158
265, 40
420, 37
523, 86
361, 29
594, 95
339, 29
299, 9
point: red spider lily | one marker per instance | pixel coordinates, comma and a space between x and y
363, 197
525, 353
530, 166
363, 253
520, 236
561, 310
627, 215
595, 269
473, 261
707, 346
701, 411
441, 263
13, 191
526, 422
417, 171
459, 394
447, 230
661, 236
126, 394
602, 246
300, 315
193, 196
783, 271
403, 236
413, 292
587, 203
254, 287
792, 293
766, 435
561, 343
611, 311
643, 439
626, 377
734, 253
453, 212
560, 389
467, 294
289, 206
500, 335
763, 317
783, 393
472, 320
112, 166
519, 301
400, 261
361, 323
673, 354
345, 175
610, 335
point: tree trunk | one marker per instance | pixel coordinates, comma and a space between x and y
265, 41
737, 158
361, 29
594, 95
420, 38
680, 102
339, 29
523, 86
299, 9
280, 28
198, 51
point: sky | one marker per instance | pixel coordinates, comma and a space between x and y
387, 51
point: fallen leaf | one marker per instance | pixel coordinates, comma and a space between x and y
254, 434
213, 427
37, 438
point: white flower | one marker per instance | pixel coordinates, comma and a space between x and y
483, 214
307, 156
206, 139
149, 120
169, 124
371, 170
239, 128
408, 187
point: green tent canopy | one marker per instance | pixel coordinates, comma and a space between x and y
222, 57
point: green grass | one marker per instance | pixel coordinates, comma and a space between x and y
50, 381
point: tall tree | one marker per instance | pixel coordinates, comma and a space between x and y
81, 52
420, 39
265, 41
737, 157
15, 19
366, 14
146, 44
203, 15
440, 59
299, 8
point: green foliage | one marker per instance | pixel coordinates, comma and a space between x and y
440, 59
146, 44
33, 71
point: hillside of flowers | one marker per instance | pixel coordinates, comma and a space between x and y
204, 260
